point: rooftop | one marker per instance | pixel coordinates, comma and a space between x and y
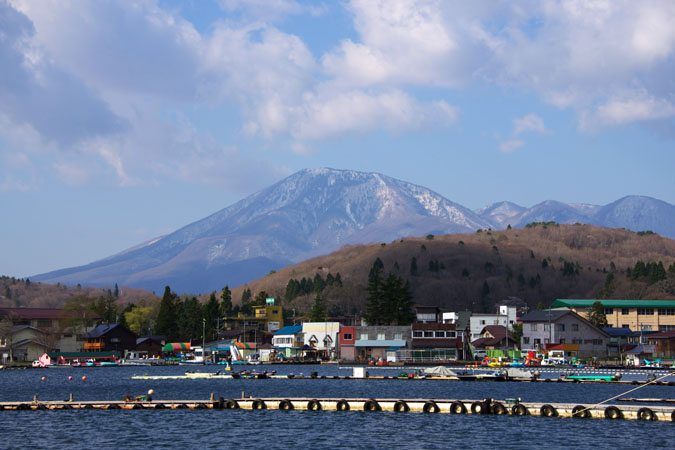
585, 303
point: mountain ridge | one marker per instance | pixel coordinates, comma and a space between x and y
317, 211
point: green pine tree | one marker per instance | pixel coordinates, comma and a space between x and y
167, 324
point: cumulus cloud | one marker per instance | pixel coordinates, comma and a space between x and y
511, 145
106, 80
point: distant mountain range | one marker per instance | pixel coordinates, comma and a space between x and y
316, 211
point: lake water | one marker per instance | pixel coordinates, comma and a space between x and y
271, 429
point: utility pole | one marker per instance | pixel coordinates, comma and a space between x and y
203, 340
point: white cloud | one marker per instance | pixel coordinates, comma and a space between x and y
511, 145
527, 123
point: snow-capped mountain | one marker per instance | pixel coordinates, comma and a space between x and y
637, 213
310, 213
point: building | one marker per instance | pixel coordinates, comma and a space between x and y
347, 339
379, 343
323, 337
638, 315
579, 337
63, 329
664, 344
289, 340
264, 319
151, 344
109, 337
494, 337
505, 317
24, 343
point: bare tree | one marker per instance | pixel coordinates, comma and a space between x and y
7, 335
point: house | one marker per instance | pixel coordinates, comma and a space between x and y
562, 327
347, 339
506, 317
264, 319
638, 315
664, 344
288, 340
63, 327
109, 337
150, 344
322, 337
24, 343
381, 343
618, 339
433, 340
494, 337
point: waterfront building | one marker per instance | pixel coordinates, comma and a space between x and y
494, 337
109, 337
565, 330
322, 337
289, 340
638, 315
25, 343
664, 344
379, 343
505, 317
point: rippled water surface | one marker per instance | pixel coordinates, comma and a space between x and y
271, 429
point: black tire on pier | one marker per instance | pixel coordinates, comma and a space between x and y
342, 405
519, 410
457, 408
581, 411
372, 405
613, 413
286, 405
499, 409
646, 414
548, 411
401, 406
431, 407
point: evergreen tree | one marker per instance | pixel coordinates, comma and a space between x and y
8, 293
246, 298
338, 278
116, 291
544, 264
413, 266
211, 314
377, 265
397, 301
319, 284
292, 289
318, 312
167, 324
261, 298
190, 319
225, 301
597, 315
373, 306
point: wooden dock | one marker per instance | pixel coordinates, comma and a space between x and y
448, 406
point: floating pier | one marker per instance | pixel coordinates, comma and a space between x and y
448, 406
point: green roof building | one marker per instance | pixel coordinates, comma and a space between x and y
645, 315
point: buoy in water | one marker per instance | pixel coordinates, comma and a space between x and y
84, 378
151, 392
70, 377
44, 378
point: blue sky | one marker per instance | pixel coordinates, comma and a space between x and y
121, 121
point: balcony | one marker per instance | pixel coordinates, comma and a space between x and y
94, 346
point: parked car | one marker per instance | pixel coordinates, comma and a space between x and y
479, 354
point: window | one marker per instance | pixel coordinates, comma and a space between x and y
666, 327
451, 334
666, 311
417, 334
646, 327
482, 322
575, 327
645, 311
398, 336
440, 334
624, 311
625, 325
428, 334
44, 323
577, 341
609, 311
561, 327
364, 336
547, 326
380, 336
526, 340
597, 341
347, 336
533, 327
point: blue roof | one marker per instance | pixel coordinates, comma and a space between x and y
617, 332
293, 329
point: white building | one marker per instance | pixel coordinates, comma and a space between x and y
506, 317
323, 336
